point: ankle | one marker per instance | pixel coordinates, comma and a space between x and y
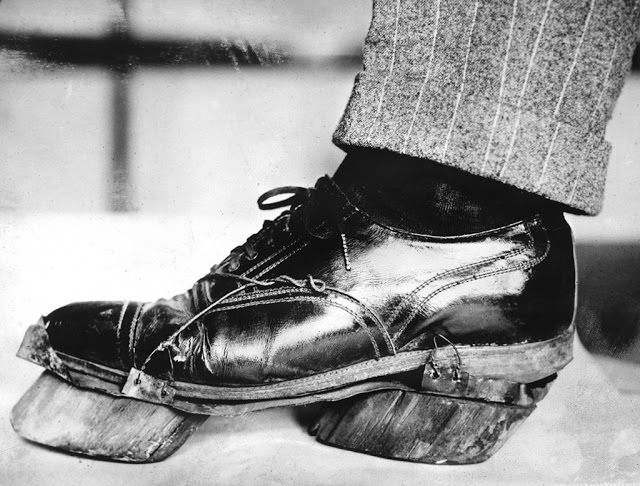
422, 196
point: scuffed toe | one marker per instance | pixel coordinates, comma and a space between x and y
95, 331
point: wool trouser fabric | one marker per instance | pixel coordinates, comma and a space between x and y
519, 91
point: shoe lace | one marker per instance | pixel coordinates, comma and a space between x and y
304, 203
298, 196
309, 210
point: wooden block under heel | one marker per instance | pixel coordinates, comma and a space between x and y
420, 427
57, 414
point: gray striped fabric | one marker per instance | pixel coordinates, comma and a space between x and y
516, 91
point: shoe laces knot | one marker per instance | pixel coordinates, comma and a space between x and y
312, 210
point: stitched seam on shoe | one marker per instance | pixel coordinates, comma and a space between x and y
420, 306
271, 257
447, 273
281, 259
509, 228
534, 220
285, 291
318, 300
519, 266
207, 291
125, 304
376, 319
416, 307
132, 332
195, 300
264, 293
259, 294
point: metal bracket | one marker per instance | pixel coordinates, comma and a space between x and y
36, 348
452, 381
145, 387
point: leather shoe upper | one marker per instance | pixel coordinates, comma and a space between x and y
324, 286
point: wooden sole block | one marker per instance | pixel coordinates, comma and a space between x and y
57, 414
420, 427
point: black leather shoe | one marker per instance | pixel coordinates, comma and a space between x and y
324, 303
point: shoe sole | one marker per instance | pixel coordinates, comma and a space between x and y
522, 363
368, 409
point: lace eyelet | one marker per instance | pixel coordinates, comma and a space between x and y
233, 266
251, 257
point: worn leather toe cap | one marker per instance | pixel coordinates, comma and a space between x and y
94, 331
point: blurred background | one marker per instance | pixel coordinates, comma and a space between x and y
136, 135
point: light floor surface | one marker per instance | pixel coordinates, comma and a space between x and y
585, 431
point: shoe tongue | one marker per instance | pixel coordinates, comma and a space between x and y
326, 211
332, 194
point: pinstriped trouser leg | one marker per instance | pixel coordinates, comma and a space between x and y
517, 91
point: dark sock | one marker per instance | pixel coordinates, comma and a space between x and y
426, 197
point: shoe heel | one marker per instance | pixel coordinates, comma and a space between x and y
423, 426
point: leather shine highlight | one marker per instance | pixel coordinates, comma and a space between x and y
505, 286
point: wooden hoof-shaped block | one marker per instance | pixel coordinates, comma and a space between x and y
420, 427
57, 414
